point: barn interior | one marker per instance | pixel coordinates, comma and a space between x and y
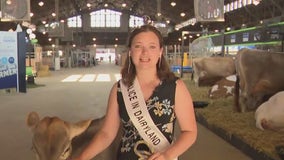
61, 30
173, 16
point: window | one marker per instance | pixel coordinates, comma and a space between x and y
135, 21
74, 21
233, 38
105, 18
236, 5
244, 2
232, 6
245, 37
228, 7
240, 4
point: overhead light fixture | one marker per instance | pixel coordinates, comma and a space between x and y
182, 14
8, 2
29, 31
256, 2
41, 3
173, 4
89, 5
123, 4
32, 36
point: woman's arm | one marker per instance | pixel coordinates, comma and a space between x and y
186, 119
107, 132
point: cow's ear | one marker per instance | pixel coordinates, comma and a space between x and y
78, 128
32, 120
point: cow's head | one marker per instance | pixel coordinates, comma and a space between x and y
52, 136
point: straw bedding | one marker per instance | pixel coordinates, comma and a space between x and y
220, 115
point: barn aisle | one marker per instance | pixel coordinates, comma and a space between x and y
74, 94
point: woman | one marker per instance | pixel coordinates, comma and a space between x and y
148, 93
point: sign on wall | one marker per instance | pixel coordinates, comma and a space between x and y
8, 60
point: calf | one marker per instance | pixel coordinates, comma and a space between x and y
270, 114
223, 88
56, 139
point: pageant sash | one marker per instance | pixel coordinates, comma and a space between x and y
140, 117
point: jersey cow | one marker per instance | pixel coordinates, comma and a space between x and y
208, 70
259, 76
55, 139
270, 114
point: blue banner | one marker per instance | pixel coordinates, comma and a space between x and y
8, 60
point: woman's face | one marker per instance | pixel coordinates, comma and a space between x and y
145, 50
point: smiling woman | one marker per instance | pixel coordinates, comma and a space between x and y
146, 103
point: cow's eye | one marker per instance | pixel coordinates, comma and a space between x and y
66, 152
33, 148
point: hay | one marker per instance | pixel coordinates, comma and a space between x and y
220, 113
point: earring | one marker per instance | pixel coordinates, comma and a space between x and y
129, 63
160, 59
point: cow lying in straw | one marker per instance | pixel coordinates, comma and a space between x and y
270, 114
223, 88
55, 139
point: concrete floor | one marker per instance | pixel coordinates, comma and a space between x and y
74, 101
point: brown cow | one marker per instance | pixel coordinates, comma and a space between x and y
55, 139
259, 76
208, 70
223, 88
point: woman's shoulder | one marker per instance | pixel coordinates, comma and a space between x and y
172, 80
115, 86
